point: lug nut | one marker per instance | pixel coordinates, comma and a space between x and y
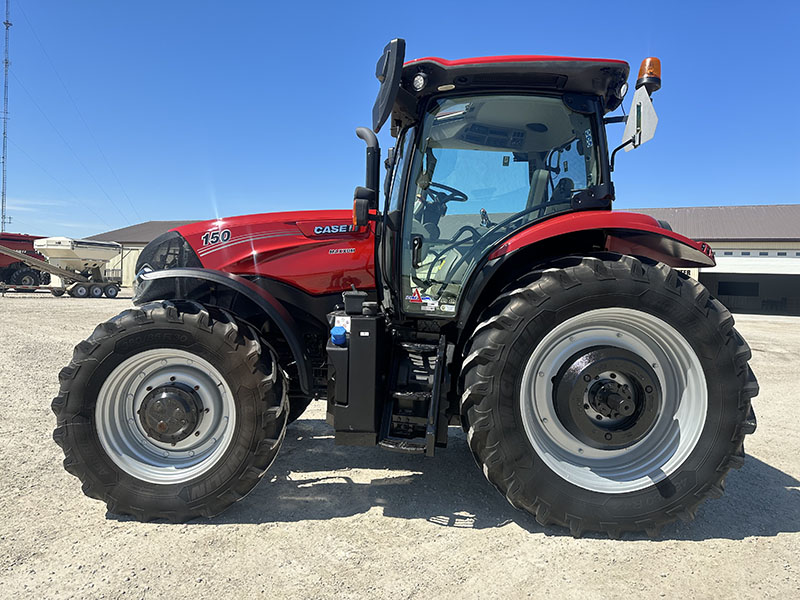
648, 389
608, 436
587, 377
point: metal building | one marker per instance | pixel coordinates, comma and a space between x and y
757, 250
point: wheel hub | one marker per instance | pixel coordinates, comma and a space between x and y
611, 399
171, 412
607, 397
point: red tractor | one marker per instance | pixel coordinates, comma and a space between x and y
490, 287
12, 271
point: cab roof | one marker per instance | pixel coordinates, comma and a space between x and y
561, 74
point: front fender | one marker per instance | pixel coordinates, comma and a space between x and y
626, 233
176, 284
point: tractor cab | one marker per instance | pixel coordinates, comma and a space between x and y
485, 147
481, 166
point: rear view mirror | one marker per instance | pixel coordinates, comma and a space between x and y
640, 123
388, 71
363, 200
642, 120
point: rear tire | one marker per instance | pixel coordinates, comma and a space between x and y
532, 401
111, 291
95, 291
26, 277
144, 364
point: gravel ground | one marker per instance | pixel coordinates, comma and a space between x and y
361, 522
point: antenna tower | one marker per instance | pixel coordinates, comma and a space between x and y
3, 218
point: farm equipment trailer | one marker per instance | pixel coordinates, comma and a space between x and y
490, 286
77, 263
14, 272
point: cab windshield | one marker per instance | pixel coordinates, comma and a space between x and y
484, 166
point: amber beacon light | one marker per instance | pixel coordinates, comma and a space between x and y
650, 74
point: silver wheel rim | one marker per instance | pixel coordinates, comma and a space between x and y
124, 438
676, 431
81, 291
95, 291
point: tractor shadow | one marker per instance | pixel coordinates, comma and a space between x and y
312, 479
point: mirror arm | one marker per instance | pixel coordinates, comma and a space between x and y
616, 119
617, 149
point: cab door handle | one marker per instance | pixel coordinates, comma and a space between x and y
416, 250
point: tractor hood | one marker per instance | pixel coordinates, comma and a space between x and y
318, 252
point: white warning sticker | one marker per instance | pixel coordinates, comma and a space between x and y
342, 321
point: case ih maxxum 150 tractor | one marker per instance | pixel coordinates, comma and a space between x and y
489, 286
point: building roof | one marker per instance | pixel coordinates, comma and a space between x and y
143, 233
762, 223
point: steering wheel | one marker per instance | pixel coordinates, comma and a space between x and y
431, 211
444, 193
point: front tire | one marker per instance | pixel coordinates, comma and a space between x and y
608, 395
170, 411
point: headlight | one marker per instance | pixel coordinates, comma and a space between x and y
167, 251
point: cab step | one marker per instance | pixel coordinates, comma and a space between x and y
406, 446
419, 348
411, 420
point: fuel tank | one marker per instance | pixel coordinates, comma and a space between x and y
318, 252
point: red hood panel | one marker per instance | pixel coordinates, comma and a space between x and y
317, 251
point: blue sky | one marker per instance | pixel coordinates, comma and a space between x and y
122, 112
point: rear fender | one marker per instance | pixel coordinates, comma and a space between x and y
577, 233
191, 283
626, 233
